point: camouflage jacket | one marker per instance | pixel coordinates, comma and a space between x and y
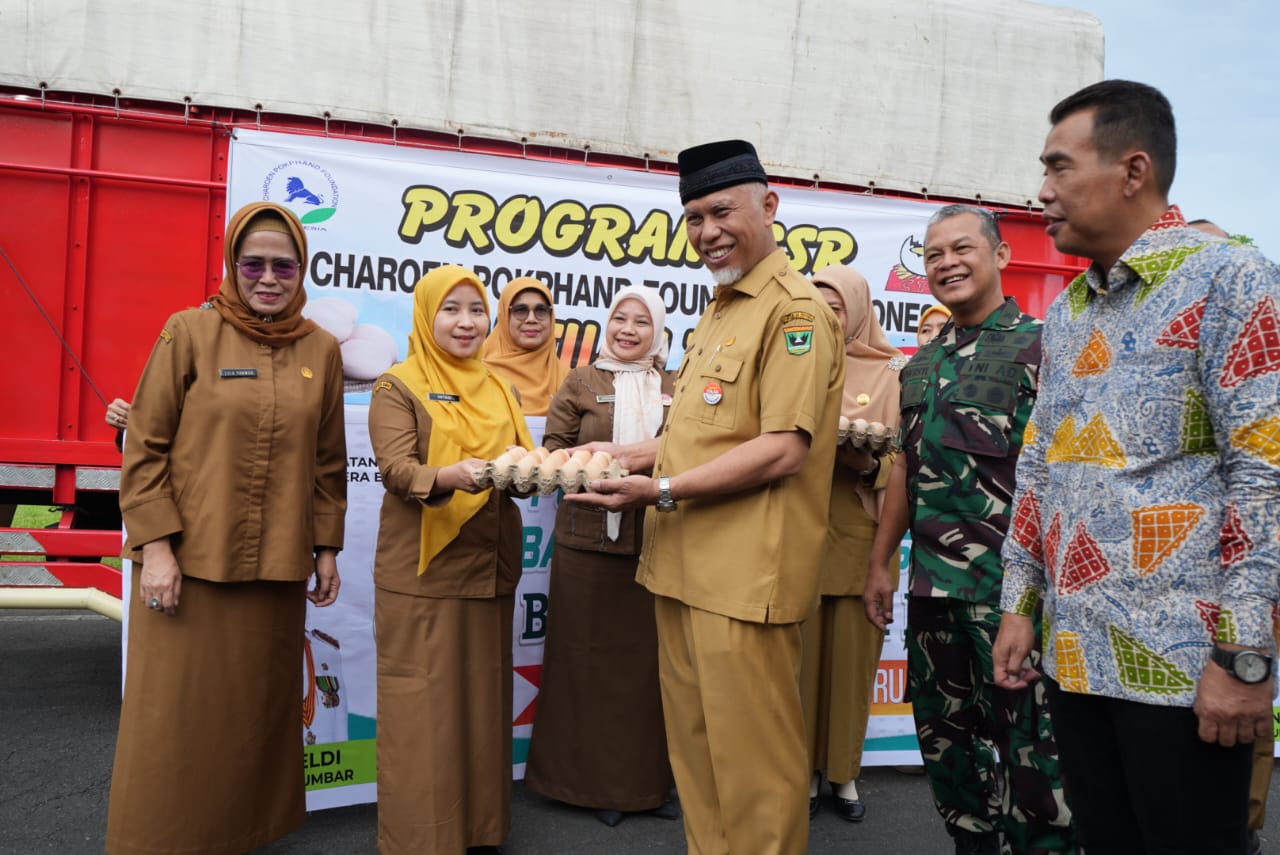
966, 399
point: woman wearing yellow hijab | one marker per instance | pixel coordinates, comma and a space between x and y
522, 347
931, 323
445, 574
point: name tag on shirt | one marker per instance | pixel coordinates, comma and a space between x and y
441, 396
606, 399
237, 372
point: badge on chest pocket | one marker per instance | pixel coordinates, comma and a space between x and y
719, 379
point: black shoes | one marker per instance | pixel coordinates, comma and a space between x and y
975, 842
610, 817
851, 811
666, 810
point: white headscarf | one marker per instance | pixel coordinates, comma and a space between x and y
637, 383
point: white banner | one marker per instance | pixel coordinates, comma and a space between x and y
378, 217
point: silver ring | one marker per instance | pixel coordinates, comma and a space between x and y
155, 603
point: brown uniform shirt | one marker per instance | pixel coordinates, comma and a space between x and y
237, 451
767, 356
582, 412
482, 561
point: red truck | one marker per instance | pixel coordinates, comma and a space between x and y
107, 117
86, 281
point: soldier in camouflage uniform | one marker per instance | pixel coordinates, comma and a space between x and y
966, 399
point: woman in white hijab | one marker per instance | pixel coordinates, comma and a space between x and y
599, 741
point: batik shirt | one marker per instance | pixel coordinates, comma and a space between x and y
1149, 489
966, 398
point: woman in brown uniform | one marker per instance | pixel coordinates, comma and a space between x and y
599, 740
522, 347
841, 647
233, 489
445, 574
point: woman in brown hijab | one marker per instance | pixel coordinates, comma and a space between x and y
233, 491
841, 647
522, 347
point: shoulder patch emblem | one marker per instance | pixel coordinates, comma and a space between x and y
790, 317
798, 337
385, 384
166, 336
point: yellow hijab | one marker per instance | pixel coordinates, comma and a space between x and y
473, 413
536, 373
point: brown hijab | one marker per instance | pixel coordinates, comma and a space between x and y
288, 325
871, 363
870, 382
536, 374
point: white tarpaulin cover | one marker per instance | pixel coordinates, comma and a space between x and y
947, 96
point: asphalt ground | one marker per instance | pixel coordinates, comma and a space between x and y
60, 706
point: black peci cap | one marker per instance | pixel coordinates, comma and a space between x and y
716, 165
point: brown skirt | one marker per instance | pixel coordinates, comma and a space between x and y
841, 652
444, 722
209, 757
599, 740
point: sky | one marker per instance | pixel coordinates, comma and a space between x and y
1218, 63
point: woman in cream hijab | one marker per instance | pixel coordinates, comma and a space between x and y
522, 347
841, 647
445, 573
599, 740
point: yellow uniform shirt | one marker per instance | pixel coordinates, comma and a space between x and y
765, 357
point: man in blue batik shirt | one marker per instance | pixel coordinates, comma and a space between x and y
1147, 510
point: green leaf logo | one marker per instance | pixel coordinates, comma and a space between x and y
319, 215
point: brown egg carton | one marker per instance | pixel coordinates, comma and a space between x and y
860, 433
544, 471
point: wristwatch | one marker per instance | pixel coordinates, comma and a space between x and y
1247, 666
665, 502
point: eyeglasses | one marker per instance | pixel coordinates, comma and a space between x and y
255, 268
541, 311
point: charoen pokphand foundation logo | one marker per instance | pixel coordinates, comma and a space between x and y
305, 187
908, 273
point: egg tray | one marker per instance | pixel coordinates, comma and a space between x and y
860, 433
545, 472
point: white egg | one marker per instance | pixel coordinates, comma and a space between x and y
377, 335
365, 360
334, 315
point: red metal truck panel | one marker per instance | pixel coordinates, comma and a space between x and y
114, 215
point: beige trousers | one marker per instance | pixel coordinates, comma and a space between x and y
735, 730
